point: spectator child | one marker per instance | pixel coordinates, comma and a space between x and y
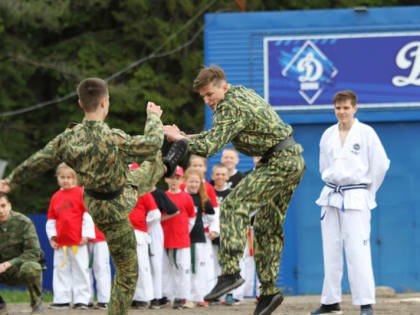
144, 288
220, 176
230, 159
177, 261
202, 270
167, 210
100, 269
68, 228
200, 163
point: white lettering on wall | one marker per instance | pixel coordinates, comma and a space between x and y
408, 57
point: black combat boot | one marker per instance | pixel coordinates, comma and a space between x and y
175, 155
225, 283
268, 303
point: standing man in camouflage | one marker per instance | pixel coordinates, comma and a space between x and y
100, 156
20, 255
242, 117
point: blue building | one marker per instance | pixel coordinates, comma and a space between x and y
297, 60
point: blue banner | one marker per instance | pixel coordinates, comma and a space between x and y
304, 72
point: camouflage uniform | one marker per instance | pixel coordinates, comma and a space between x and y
100, 156
19, 245
253, 127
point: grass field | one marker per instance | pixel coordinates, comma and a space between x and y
22, 296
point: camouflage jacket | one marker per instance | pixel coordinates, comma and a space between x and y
246, 120
18, 240
99, 155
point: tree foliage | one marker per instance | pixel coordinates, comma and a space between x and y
49, 46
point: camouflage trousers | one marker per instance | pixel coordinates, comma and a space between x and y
28, 274
111, 217
267, 189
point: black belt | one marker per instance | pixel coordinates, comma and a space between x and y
277, 148
104, 195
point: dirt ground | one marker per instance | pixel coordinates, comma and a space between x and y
402, 304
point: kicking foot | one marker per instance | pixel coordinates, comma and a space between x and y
175, 155
268, 303
225, 283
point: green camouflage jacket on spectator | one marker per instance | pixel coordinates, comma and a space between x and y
18, 240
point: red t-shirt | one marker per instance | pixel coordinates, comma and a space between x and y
67, 209
145, 203
175, 230
210, 192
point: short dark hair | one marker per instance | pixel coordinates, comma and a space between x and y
4, 195
219, 165
207, 75
341, 96
91, 91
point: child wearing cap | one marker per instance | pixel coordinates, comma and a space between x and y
176, 231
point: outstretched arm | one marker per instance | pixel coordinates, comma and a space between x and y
35, 165
173, 133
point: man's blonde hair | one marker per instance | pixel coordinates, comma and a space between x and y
207, 75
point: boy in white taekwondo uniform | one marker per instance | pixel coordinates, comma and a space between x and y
353, 164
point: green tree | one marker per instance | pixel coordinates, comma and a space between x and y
149, 50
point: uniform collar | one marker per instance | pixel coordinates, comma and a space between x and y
228, 94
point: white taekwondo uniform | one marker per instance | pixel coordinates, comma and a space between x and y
352, 172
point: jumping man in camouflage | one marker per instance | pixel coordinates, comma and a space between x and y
248, 121
20, 255
100, 156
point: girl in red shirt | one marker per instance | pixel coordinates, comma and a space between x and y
68, 228
176, 230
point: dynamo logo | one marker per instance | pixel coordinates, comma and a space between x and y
310, 70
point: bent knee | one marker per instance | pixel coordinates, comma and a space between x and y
30, 271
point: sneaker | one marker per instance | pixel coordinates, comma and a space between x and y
187, 304
230, 300
59, 306
203, 304
38, 309
215, 302
80, 306
366, 310
328, 309
139, 304
154, 304
101, 306
268, 303
163, 302
176, 154
225, 284
177, 304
